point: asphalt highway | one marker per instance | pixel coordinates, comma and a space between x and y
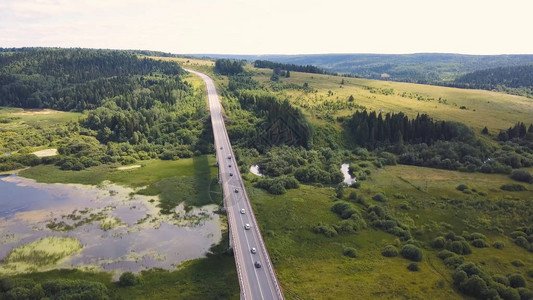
256, 282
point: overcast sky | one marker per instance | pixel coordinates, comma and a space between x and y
272, 26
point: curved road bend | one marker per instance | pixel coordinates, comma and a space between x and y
255, 283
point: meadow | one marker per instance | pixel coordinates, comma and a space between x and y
481, 108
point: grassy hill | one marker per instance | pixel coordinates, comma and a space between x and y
418, 67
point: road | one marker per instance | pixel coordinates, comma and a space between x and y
255, 283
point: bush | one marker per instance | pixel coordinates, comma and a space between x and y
524, 176
522, 242
517, 263
389, 251
353, 196
380, 197
525, 294
479, 243
513, 187
516, 281
350, 252
412, 252
459, 247
326, 230
343, 209
498, 245
413, 267
438, 242
127, 279
501, 279
356, 185
462, 187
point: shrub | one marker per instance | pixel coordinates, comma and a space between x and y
127, 279
498, 245
380, 197
353, 196
516, 281
277, 189
454, 261
524, 176
479, 243
326, 230
412, 252
525, 294
350, 252
501, 279
343, 209
517, 263
356, 185
530, 273
459, 247
513, 187
522, 242
413, 267
389, 251
438, 242
462, 187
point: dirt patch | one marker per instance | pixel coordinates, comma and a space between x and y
46, 153
129, 167
36, 111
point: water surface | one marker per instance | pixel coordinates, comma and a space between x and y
118, 229
348, 179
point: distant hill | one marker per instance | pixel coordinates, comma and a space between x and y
515, 79
433, 68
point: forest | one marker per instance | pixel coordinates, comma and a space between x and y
510, 79
135, 108
288, 67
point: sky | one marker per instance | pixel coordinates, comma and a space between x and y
272, 26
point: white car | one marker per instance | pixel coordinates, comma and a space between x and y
242, 211
247, 226
253, 250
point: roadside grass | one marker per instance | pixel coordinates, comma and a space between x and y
481, 108
312, 266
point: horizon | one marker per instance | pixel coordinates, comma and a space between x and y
273, 54
250, 27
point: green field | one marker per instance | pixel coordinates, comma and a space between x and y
310, 265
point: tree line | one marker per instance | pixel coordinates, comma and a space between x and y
288, 67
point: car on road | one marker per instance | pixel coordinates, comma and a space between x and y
247, 226
236, 190
221, 148
253, 250
229, 166
242, 211
230, 174
229, 156
257, 264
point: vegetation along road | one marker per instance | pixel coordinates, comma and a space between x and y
257, 278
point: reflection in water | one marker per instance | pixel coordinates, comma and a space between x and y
348, 179
118, 229
254, 169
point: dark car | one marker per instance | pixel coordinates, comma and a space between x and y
257, 264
